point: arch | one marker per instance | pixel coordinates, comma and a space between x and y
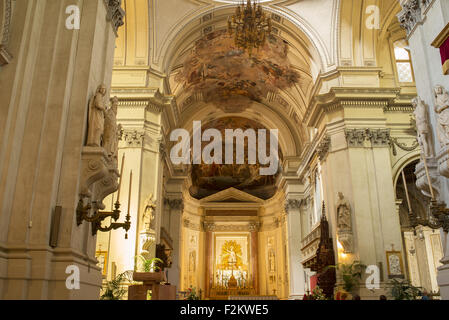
402, 163
303, 33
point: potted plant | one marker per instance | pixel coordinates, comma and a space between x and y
115, 289
404, 290
351, 274
191, 294
150, 270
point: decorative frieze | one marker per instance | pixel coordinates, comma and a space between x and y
395, 143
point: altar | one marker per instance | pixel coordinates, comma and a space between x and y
233, 246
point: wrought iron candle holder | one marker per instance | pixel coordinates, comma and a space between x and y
97, 217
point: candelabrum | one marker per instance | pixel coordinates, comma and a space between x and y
93, 215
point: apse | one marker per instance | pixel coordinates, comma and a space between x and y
210, 179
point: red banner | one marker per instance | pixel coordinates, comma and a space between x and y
444, 51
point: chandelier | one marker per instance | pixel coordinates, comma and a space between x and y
250, 26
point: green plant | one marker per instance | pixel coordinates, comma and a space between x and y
318, 294
191, 294
114, 289
150, 265
351, 274
404, 290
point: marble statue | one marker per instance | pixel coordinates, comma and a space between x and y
423, 127
442, 111
343, 213
97, 108
111, 129
148, 213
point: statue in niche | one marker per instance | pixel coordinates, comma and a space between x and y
111, 129
442, 111
97, 108
343, 213
423, 127
148, 213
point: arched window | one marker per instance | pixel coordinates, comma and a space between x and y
404, 65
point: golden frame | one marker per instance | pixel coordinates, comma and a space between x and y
401, 265
103, 254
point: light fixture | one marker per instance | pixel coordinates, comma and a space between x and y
250, 26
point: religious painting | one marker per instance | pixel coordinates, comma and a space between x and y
231, 267
102, 257
395, 265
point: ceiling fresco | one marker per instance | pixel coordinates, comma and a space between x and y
229, 78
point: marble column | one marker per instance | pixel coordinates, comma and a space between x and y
209, 228
176, 207
254, 239
296, 269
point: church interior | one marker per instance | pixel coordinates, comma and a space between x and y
134, 140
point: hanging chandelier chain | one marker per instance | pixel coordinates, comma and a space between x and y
250, 26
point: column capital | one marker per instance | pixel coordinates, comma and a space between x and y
115, 14
292, 204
